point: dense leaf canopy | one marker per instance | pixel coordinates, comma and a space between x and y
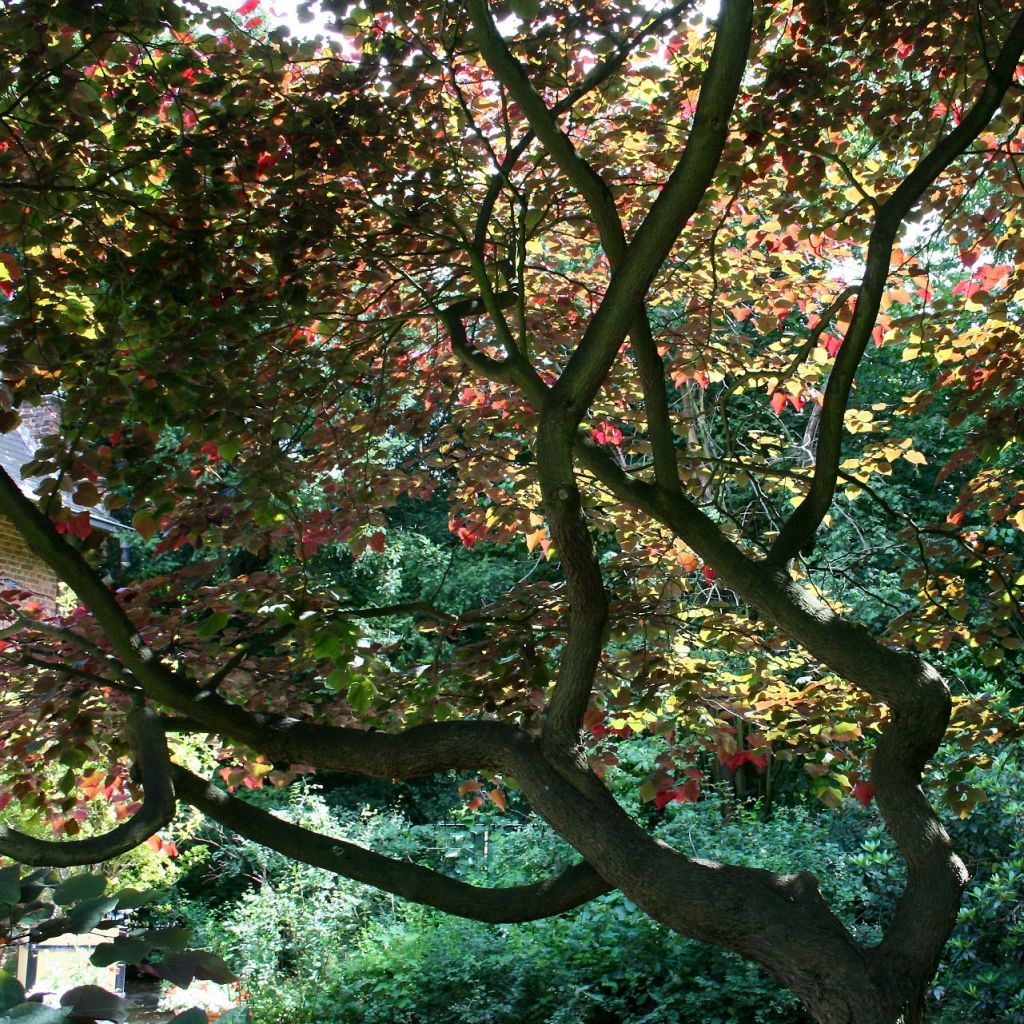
710, 329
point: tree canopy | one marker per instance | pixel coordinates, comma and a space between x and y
711, 322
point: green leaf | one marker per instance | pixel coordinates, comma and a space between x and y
132, 899
12, 991
90, 1002
79, 887
229, 447
327, 646
193, 1016
338, 679
10, 885
127, 950
361, 694
184, 968
213, 624
170, 940
89, 913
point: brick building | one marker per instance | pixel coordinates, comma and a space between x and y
20, 567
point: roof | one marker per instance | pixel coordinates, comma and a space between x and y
17, 451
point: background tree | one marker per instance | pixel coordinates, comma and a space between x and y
580, 272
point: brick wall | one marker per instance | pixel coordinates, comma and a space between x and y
27, 570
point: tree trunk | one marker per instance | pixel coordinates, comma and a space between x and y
850, 997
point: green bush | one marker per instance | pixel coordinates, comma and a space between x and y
312, 949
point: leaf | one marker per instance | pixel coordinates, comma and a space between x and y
170, 940
193, 1016
144, 525
12, 991
124, 949
743, 757
212, 625
191, 965
90, 1002
79, 887
864, 792
361, 694
10, 884
497, 798
132, 899
87, 914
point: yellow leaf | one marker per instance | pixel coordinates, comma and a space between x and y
915, 457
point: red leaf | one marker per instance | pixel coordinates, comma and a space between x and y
378, 541
248, 7
743, 757
79, 525
606, 433
863, 792
709, 574
688, 792
779, 402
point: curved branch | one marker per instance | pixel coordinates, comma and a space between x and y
565, 891
601, 203
146, 735
798, 532
675, 204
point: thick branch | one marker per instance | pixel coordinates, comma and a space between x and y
573, 887
149, 744
799, 530
601, 203
676, 203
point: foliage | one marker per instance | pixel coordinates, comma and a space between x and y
41, 905
497, 382
311, 950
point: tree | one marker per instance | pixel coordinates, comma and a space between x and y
577, 270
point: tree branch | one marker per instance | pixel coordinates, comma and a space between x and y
799, 531
573, 887
146, 735
677, 201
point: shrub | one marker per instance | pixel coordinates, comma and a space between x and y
313, 949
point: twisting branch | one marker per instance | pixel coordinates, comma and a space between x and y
513, 369
146, 735
603, 209
620, 312
799, 531
571, 888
